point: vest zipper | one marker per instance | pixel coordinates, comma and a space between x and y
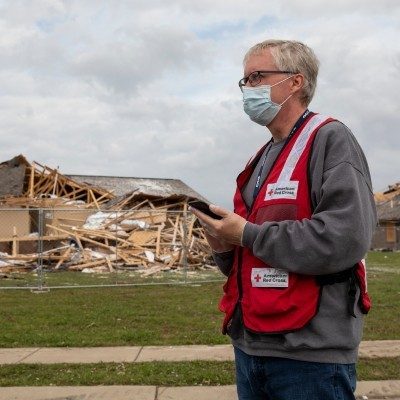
239, 275
240, 256
250, 210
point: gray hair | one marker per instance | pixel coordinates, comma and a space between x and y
290, 55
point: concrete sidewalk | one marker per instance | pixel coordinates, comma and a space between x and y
83, 355
370, 390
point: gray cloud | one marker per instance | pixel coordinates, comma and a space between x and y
124, 66
150, 88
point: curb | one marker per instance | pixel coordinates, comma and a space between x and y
371, 390
129, 354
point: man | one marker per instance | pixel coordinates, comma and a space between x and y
293, 249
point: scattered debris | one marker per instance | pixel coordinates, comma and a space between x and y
53, 220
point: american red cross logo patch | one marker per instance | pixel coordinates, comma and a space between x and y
269, 277
282, 190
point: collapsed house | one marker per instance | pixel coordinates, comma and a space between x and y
95, 223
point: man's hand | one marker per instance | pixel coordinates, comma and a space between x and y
218, 245
228, 230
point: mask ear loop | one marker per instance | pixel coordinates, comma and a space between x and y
284, 101
283, 80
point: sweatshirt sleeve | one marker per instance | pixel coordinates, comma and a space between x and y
224, 261
340, 230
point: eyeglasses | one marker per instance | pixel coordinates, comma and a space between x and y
255, 77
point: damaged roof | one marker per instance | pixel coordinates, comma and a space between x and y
19, 178
144, 187
390, 193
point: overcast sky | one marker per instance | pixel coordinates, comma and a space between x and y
148, 88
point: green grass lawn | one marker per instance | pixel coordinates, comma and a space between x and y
58, 279
157, 373
150, 315
383, 321
157, 315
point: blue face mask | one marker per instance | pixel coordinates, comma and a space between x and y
257, 103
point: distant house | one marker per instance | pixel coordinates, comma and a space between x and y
387, 234
388, 194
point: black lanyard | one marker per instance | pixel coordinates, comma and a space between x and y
296, 126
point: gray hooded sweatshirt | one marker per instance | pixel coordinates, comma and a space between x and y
336, 237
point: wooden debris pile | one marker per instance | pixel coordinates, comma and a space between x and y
87, 228
157, 238
148, 238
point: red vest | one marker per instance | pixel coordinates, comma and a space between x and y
273, 300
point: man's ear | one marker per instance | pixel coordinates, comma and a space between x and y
297, 83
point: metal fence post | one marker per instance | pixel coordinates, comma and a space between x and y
116, 254
185, 246
40, 249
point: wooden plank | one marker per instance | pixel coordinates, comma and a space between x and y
46, 187
158, 241
103, 234
174, 258
191, 225
130, 215
22, 257
79, 237
150, 217
110, 267
33, 238
55, 184
105, 196
80, 186
41, 178
120, 205
15, 243
175, 229
142, 237
80, 267
61, 188
120, 254
94, 199
63, 258
71, 219
125, 256
76, 191
78, 240
31, 181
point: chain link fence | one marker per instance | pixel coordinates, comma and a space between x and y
41, 249
386, 237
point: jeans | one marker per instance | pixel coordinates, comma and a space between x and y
272, 378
